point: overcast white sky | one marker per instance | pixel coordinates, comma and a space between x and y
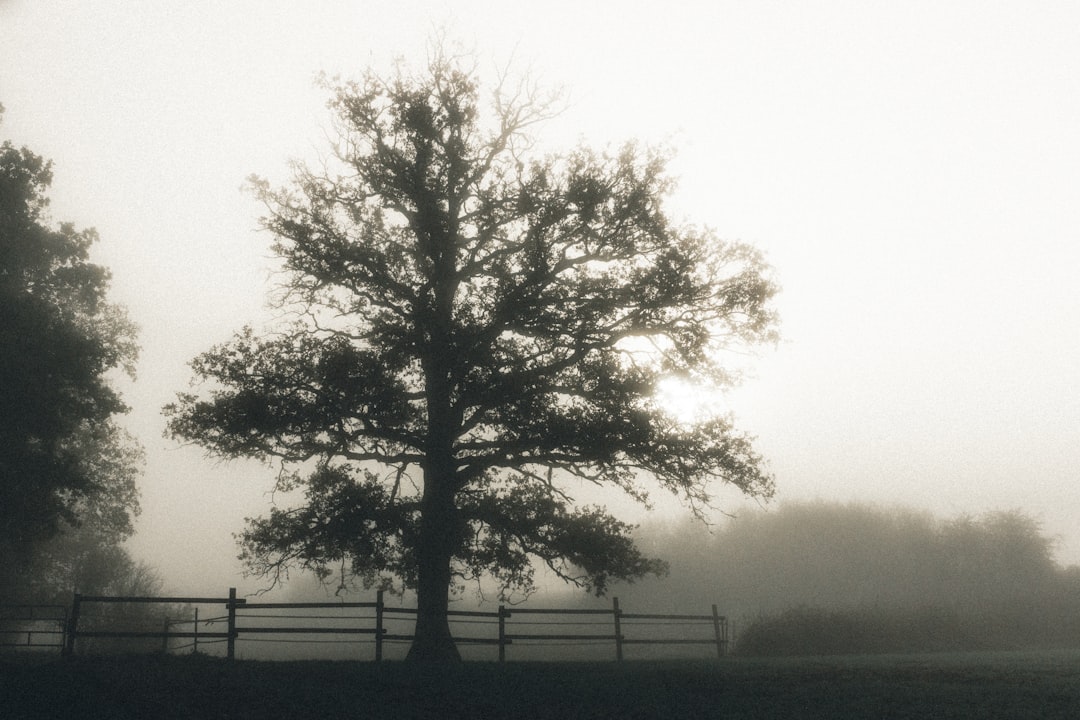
912, 171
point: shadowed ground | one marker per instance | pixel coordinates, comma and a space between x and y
999, 685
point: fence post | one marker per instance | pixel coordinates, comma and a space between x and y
378, 625
502, 633
618, 629
165, 636
195, 643
231, 652
72, 626
721, 640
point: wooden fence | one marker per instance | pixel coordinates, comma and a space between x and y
502, 628
33, 627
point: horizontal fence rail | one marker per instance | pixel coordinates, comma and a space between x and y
33, 627
231, 603
375, 622
719, 636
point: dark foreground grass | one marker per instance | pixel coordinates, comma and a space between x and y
1001, 685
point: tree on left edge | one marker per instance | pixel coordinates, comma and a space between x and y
64, 462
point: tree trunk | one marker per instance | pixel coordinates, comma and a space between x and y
439, 531
432, 642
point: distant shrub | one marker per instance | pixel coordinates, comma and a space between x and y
817, 631
807, 630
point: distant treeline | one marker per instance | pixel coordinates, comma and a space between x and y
817, 578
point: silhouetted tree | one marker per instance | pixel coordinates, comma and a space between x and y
61, 455
483, 326
88, 556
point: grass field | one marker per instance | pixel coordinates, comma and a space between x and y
993, 685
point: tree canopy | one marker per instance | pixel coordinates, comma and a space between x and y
477, 328
62, 458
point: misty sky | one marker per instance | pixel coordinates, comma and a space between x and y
912, 171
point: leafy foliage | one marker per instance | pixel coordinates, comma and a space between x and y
495, 324
61, 456
85, 560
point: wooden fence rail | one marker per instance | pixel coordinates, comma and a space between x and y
32, 627
74, 632
239, 612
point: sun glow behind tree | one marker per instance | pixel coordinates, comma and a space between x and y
689, 402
